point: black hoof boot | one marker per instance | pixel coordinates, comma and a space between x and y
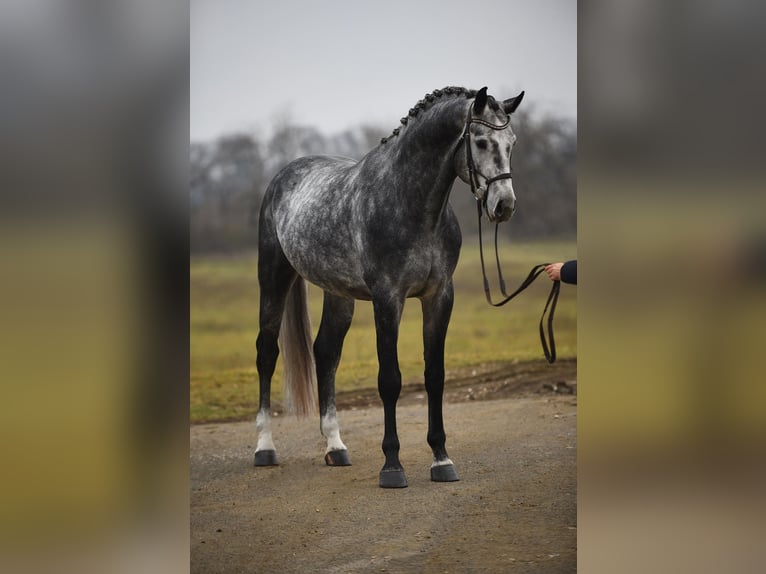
266, 458
392, 478
444, 473
337, 458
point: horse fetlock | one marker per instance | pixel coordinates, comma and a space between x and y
331, 431
265, 440
436, 440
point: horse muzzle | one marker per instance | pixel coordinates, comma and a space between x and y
502, 210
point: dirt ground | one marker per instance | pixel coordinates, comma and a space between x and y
511, 431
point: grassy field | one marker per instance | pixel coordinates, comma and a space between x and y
224, 326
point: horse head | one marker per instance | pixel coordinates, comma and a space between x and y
483, 158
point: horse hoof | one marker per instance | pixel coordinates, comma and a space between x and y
337, 458
392, 478
444, 473
266, 458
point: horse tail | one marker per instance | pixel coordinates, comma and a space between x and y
295, 341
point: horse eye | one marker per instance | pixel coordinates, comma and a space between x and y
481, 144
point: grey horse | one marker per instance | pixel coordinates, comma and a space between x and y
380, 229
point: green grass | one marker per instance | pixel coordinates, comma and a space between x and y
224, 326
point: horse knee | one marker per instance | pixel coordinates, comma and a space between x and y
434, 378
389, 383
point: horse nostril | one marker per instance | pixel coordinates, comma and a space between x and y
504, 209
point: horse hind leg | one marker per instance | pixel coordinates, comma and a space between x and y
337, 313
275, 276
267, 351
437, 310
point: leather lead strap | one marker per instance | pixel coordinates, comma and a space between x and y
549, 345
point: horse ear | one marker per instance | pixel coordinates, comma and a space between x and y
480, 101
510, 105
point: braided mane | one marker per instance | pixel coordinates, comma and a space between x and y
429, 99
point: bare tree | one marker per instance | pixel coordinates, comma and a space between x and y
227, 178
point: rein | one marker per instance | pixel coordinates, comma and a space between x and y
553, 296
548, 348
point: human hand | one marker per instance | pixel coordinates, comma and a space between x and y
554, 271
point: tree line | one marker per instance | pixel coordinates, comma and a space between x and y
228, 177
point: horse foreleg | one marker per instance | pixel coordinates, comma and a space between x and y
336, 319
388, 311
437, 310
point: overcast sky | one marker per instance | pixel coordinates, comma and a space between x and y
337, 63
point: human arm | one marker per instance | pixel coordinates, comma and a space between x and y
566, 272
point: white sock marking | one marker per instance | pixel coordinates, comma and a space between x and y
263, 425
331, 431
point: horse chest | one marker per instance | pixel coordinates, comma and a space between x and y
412, 269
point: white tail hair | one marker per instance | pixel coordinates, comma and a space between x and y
297, 352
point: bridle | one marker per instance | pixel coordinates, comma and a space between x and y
553, 296
473, 171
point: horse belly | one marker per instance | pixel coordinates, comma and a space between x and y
326, 260
335, 275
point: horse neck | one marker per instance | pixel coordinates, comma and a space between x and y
420, 160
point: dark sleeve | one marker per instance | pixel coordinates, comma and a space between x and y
569, 272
